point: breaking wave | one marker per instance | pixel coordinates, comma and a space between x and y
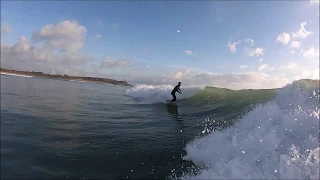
277, 140
149, 94
251, 134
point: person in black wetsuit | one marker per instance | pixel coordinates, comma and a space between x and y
173, 92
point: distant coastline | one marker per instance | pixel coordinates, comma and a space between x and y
63, 77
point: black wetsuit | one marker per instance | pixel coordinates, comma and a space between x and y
173, 93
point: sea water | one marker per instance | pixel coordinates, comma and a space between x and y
62, 129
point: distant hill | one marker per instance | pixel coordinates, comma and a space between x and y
65, 77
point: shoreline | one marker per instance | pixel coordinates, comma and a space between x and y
63, 77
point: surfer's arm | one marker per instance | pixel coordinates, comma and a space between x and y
179, 90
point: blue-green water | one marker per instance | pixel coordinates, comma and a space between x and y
62, 130
52, 128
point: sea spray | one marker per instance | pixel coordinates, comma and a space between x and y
278, 140
149, 94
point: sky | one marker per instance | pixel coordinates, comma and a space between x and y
231, 44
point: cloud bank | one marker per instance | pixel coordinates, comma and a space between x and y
66, 36
56, 48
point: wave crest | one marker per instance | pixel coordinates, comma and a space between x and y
278, 140
149, 94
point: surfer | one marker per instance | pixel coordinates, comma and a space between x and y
173, 92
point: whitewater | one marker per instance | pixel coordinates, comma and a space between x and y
19, 75
149, 94
276, 139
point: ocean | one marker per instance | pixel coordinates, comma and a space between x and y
54, 129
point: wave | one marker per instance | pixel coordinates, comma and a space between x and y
149, 94
79, 81
19, 75
204, 101
275, 140
248, 134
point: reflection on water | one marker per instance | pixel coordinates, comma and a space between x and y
173, 112
172, 108
58, 110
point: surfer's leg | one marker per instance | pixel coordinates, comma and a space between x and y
174, 97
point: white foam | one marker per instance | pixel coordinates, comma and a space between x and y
150, 94
279, 140
19, 75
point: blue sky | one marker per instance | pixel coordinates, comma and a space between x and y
169, 40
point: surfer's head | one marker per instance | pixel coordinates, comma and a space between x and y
179, 83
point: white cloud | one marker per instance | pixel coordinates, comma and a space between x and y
179, 74
254, 52
294, 70
22, 46
314, 2
308, 74
251, 80
272, 68
25, 56
295, 44
266, 76
274, 76
233, 46
6, 29
292, 52
263, 67
134, 72
302, 33
249, 40
28, 55
316, 74
243, 66
98, 36
261, 59
67, 36
189, 52
241, 80
284, 38
290, 66
311, 53
183, 75
109, 63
